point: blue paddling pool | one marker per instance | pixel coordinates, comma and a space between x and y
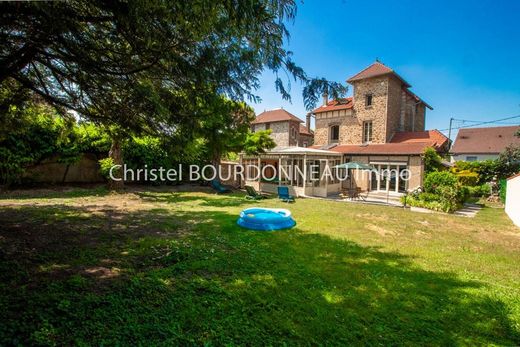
257, 218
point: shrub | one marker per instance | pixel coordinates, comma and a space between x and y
467, 178
437, 179
478, 191
432, 160
104, 167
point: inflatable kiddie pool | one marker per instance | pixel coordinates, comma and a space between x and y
257, 218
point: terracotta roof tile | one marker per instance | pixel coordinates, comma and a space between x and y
376, 69
433, 138
305, 131
485, 140
278, 115
335, 105
416, 148
403, 143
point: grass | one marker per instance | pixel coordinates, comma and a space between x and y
153, 266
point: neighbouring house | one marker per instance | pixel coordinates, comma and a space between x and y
474, 144
382, 125
513, 199
286, 129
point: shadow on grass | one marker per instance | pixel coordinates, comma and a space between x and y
209, 200
55, 192
73, 276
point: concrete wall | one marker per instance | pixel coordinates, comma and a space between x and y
513, 199
86, 170
480, 157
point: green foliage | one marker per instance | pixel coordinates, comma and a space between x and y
117, 63
258, 142
479, 191
432, 160
508, 163
467, 178
442, 192
486, 171
436, 180
502, 189
105, 165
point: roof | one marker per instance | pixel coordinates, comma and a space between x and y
300, 150
434, 138
402, 143
305, 131
335, 105
514, 176
277, 115
491, 140
418, 99
374, 70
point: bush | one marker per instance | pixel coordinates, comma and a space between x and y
467, 178
437, 179
442, 192
479, 191
104, 167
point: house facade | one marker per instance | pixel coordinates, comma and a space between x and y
287, 130
383, 125
475, 144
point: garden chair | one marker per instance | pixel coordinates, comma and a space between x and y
252, 194
283, 194
215, 184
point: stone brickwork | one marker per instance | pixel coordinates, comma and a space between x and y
395, 99
284, 134
377, 112
393, 109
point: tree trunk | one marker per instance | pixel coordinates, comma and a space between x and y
115, 154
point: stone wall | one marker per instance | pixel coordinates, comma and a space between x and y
283, 133
377, 112
303, 138
394, 112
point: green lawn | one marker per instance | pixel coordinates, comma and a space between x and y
157, 267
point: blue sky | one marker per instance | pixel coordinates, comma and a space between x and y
462, 57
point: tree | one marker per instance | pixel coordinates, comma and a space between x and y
139, 53
508, 162
258, 142
224, 127
432, 160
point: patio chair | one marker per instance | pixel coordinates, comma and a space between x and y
252, 194
215, 184
283, 194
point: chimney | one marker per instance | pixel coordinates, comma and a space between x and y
308, 121
325, 99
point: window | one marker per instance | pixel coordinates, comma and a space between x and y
368, 100
293, 132
305, 144
334, 133
267, 126
367, 132
471, 158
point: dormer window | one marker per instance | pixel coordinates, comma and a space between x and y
334, 133
368, 100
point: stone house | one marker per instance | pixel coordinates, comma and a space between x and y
382, 125
474, 144
287, 130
